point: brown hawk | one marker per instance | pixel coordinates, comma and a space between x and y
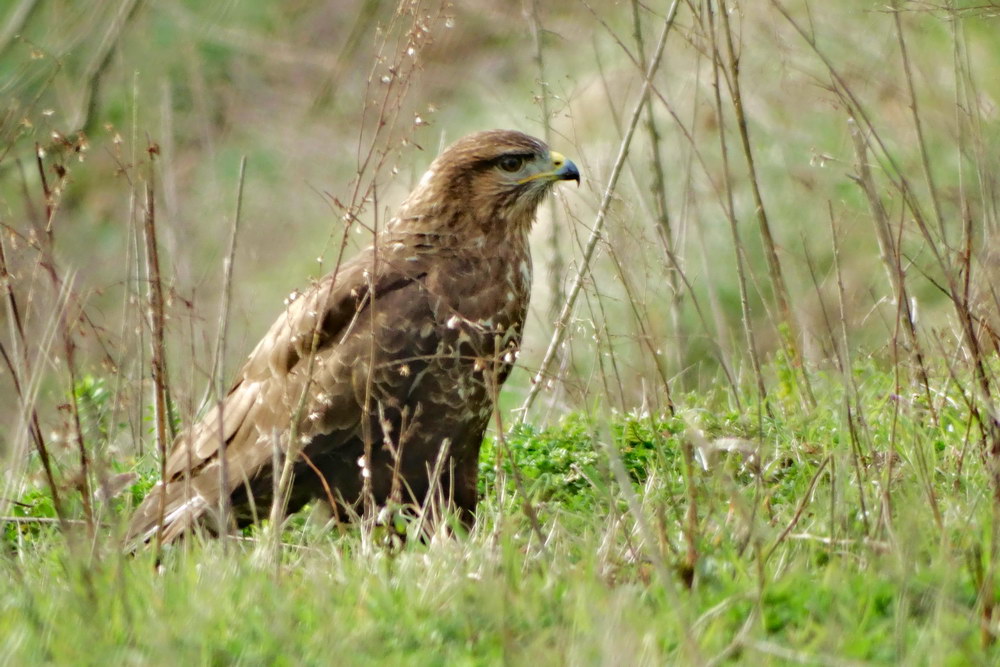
385, 372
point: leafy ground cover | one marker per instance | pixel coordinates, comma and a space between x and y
788, 189
773, 542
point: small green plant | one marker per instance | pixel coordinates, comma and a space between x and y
564, 463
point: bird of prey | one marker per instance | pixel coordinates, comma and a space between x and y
384, 374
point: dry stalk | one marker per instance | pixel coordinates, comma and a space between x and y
790, 335
963, 309
652, 545
83, 479
803, 503
659, 185
562, 324
66, 322
527, 506
604, 338
720, 352
554, 256
645, 334
853, 410
730, 211
371, 156
890, 253
68, 314
28, 405
219, 372
367, 495
917, 122
158, 361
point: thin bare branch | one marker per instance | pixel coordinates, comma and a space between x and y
596, 231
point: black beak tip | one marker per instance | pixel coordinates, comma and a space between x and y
569, 172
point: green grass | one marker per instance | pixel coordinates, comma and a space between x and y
839, 587
859, 526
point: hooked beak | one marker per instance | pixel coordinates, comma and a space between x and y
565, 170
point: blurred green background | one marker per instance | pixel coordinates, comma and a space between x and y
300, 88
850, 516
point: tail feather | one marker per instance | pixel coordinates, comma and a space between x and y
182, 508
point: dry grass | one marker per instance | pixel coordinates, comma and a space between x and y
785, 237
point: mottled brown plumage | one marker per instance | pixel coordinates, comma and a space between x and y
416, 335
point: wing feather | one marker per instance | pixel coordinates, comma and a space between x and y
268, 391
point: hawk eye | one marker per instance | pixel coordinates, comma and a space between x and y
511, 162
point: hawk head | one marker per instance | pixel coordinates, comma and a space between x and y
491, 180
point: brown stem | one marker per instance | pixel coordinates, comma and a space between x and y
554, 255
730, 209
220, 356
562, 324
158, 364
770, 250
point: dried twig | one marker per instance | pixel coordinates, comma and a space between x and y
554, 256
158, 362
562, 323
730, 211
767, 237
659, 184
219, 372
803, 503
35, 431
